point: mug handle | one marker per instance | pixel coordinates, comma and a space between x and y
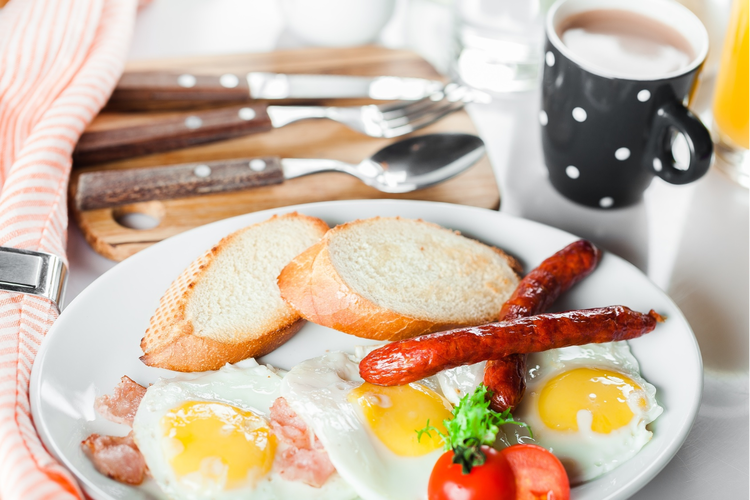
674, 115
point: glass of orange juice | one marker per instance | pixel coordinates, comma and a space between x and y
731, 98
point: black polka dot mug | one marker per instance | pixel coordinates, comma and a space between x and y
608, 130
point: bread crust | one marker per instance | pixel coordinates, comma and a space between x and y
312, 286
170, 341
190, 353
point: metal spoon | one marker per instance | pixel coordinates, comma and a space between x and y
407, 165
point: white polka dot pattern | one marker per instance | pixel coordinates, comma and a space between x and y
543, 118
644, 95
549, 58
572, 172
606, 202
579, 114
622, 154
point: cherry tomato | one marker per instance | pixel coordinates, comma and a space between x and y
538, 473
492, 480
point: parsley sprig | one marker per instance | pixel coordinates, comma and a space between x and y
473, 424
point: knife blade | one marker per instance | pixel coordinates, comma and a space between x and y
166, 86
283, 86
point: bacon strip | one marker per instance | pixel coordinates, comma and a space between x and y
301, 456
410, 360
122, 405
116, 457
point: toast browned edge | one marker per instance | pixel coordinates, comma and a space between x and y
187, 352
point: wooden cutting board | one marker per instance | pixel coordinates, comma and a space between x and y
104, 229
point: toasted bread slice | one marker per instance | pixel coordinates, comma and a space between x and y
394, 278
226, 306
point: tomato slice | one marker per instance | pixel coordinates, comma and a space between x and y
492, 480
539, 474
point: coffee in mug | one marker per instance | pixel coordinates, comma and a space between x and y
623, 41
617, 73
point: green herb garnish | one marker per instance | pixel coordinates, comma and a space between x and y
474, 424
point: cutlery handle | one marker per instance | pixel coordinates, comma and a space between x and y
165, 134
110, 188
185, 86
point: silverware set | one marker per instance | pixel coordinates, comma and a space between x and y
423, 102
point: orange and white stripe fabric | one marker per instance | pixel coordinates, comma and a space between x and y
59, 61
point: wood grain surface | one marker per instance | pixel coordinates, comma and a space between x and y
310, 139
145, 86
110, 188
169, 133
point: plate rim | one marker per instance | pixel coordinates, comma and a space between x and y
627, 490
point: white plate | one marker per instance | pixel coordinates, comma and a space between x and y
96, 339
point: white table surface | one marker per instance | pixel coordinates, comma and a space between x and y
692, 241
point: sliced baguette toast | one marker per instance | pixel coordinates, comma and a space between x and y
226, 305
394, 278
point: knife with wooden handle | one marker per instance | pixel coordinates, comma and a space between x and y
186, 86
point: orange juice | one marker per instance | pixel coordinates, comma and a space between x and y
731, 94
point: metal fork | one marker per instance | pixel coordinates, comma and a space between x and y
386, 121
214, 125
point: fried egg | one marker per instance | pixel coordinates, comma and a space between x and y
589, 406
457, 382
208, 436
369, 431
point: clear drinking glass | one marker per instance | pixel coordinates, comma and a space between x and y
731, 105
499, 43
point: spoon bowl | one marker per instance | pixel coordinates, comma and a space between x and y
403, 166
423, 161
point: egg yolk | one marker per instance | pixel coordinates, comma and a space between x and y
604, 393
396, 413
218, 441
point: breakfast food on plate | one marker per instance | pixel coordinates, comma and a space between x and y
590, 405
226, 306
405, 361
368, 431
221, 435
116, 457
397, 421
395, 278
121, 406
506, 377
472, 469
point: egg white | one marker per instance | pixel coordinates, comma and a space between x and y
460, 381
247, 386
587, 454
317, 390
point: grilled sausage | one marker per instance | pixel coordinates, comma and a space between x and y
506, 377
410, 360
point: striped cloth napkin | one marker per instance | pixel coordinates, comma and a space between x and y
59, 61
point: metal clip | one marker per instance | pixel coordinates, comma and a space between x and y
33, 273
